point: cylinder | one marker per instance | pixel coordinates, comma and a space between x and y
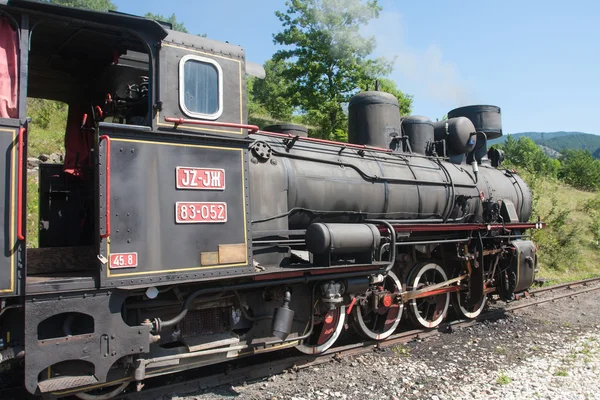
373, 119
487, 119
290, 129
420, 133
341, 238
459, 133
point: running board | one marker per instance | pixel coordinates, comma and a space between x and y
205, 342
66, 382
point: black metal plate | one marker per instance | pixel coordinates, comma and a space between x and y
231, 61
143, 198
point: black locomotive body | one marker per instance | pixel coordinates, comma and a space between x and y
175, 235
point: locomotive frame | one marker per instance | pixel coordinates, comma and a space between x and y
177, 235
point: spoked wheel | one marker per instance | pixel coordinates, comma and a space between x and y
463, 310
379, 322
328, 325
427, 312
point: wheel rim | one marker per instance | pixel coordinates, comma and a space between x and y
459, 303
326, 330
380, 324
428, 312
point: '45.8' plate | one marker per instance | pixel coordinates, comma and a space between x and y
123, 260
200, 212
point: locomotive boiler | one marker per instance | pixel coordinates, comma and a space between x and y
175, 235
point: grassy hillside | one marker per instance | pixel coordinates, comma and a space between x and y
569, 248
46, 136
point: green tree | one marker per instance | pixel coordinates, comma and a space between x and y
524, 153
273, 93
580, 169
96, 5
177, 26
327, 56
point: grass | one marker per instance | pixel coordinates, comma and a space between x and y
561, 372
32, 211
46, 135
47, 128
503, 379
401, 350
569, 248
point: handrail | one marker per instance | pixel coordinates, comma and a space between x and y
255, 129
107, 169
20, 234
323, 141
180, 121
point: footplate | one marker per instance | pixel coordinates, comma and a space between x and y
65, 382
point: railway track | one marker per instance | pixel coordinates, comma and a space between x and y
258, 367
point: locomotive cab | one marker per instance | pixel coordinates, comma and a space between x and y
101, 74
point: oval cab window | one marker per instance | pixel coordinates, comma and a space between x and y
200, 87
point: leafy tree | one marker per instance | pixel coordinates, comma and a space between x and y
273, 93
524, 153
96, 5
580, 169
327, 56
177, 26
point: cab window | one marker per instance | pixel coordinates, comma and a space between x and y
200, 87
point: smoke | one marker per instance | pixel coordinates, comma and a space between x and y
426, 74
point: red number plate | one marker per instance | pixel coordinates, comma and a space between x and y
200, 178
198, 212
123, 260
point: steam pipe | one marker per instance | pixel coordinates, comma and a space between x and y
392, 240
371, 177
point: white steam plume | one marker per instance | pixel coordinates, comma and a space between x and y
422, 73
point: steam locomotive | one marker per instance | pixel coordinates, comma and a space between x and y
175, 235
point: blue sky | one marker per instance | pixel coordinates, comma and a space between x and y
538, 60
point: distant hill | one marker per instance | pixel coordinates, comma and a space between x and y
553, 142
